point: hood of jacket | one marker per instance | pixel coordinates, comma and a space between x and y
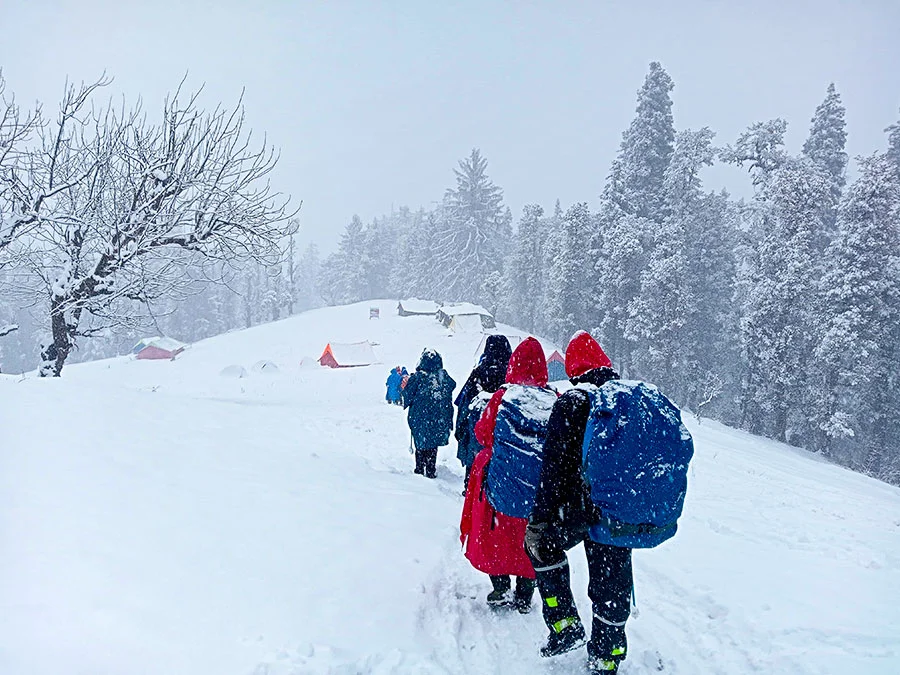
430, 362
583, 354
528, 365
496, 351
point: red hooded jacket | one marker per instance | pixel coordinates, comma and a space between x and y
495, 543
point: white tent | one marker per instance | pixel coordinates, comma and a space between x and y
466, 323
447, 312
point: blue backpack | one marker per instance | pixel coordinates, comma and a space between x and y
515, 469
635, 459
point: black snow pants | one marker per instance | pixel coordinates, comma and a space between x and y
426, 462
609, 588
524, 587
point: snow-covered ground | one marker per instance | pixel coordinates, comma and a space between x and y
159, 517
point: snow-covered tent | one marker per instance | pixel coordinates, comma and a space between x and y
466, 323
266, 367
416, 307
347, 355
158, 348
556, 367
447, 313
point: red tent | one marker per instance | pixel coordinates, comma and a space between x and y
337, 355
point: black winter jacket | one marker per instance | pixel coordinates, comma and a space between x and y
562, 495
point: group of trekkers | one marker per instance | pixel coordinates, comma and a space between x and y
396, 385
604, 463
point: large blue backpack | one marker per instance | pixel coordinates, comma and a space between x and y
519, 434
635, 460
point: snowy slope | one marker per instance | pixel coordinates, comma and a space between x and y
158, 517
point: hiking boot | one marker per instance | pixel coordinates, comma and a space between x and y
419, 470
602, 666
566, 639
499, 598
524, 593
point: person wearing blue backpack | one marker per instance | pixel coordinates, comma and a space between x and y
613, 476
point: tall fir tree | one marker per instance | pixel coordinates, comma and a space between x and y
827, 139
783, 299
661, 317
344, 272
632, 207
636, 179
476, 230
825, 147
857, 359
565, 290
525, 268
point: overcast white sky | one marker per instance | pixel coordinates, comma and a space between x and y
372, 103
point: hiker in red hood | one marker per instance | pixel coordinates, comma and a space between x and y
504, 477
562, 514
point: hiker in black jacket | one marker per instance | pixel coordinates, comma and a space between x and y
489, 375
562, 515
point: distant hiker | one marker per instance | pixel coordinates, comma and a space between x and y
504, 475
429, 396
394, 381
594, 440
404, 379
487, 376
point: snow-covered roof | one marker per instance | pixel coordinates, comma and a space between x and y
353, 353
416, 306
464, 308
167, 343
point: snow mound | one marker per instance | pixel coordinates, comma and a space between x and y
234, 371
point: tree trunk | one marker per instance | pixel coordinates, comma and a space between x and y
54, 354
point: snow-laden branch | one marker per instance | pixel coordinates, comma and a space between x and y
120, 207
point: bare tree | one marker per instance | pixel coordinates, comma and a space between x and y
709, 388
16, 129
132, 203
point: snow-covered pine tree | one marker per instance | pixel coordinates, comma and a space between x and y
780, 305
633, 205
825, 148
827, 139
857, 359
568, 262
403, 273
525, 268
343, 279
307, 284
661, 317
636, 179
712, 237
621, 243
552, 240
475, 232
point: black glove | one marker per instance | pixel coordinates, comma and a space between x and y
534, 534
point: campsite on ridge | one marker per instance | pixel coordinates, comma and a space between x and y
450, 338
